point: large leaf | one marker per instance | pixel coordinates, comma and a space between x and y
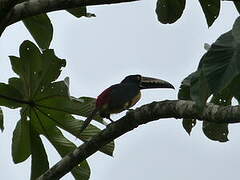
211, 9
82, 106
221, 63
10, 96
41, 29
35, 68
169, 11
218, 68
64, 146
73, 125
216, 132
218, 75
199, 91
21, 148
39, 157
46, 104
1, 120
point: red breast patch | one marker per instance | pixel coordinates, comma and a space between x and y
103, 98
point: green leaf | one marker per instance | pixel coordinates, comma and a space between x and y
1, 120
17, 84
10, 97
82, 106
80, 11
220, 64
82, 171
184, 94
21, 148
48, 105
211, 9
236, 30
223, 99
184, 91
41, 29
217, 69
39, 157
188, 124
216, 132
169, 11
218, 74
36, 68
73, 125
64, 146
199, 90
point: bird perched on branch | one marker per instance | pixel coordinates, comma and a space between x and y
122, 96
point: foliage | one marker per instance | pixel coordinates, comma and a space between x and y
169, 11
45, 108
41, 29
217, 76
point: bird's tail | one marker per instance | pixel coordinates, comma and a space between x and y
88, 120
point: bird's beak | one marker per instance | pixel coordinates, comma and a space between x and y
148, 82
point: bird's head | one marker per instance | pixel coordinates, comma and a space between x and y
147, 82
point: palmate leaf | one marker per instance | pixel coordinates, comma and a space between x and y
218, 75
41, 29
169, 11
39, 156
54, 104
21, 146
64, 146
10, 96
46, 106
218, 69
211, 9
73, 125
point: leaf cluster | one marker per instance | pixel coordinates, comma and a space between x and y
46, 109
216, 80
169, 11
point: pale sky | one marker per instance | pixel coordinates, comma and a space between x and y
127, 39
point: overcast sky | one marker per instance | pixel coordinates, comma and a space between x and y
127, 39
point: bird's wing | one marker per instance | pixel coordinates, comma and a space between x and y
122, 94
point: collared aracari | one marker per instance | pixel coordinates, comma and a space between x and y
122, 96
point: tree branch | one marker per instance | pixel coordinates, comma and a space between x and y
6, 7
134, 118
35, 7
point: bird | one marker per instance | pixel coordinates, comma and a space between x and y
123, 96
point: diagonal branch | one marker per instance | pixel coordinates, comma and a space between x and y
36, 7
6, 7
134, 118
